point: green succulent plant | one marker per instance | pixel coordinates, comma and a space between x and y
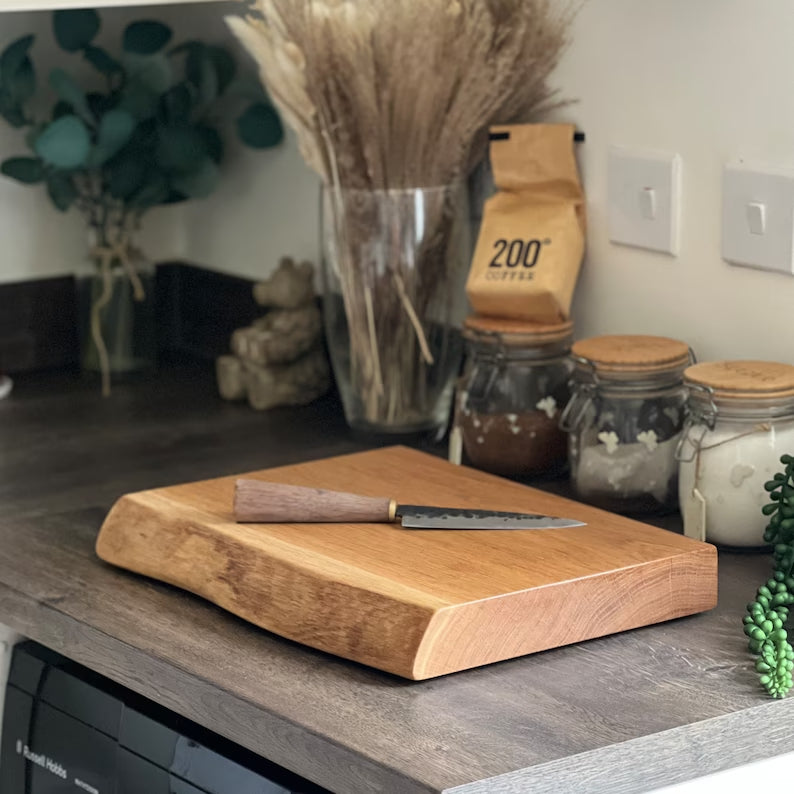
765, 623
151, 137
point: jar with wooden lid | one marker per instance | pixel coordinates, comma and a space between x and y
624, 421
741, 420
514, 385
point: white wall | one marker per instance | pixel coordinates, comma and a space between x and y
265, 208
712, 80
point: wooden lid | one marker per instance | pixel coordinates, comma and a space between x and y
737, 380
515, 332
632, 353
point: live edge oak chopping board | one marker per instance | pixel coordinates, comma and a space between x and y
418, 603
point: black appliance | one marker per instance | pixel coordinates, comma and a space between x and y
67, 729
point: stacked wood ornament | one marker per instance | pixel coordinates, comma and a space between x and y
279, 359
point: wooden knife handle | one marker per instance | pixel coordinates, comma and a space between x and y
262, 502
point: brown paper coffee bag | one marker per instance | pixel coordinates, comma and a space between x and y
531, 242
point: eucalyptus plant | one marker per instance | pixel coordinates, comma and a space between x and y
145, 133
149, 137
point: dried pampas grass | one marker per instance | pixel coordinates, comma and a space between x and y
389, 96
400, 93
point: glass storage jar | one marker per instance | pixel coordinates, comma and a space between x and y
624, 421
741, 420
514, 385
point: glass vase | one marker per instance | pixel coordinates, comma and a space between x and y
118, 332
395, 264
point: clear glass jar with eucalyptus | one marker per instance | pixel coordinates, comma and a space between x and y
514, 385
624, 421
741, 420
117, 306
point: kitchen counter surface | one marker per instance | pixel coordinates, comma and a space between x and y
626, 713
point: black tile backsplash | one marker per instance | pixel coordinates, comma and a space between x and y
38, 324
197, 310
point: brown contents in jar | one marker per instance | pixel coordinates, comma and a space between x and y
513, 444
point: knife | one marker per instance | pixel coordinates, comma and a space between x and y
257, 501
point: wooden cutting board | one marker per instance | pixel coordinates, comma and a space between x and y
418, 603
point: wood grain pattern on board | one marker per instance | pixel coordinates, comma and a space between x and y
417, 603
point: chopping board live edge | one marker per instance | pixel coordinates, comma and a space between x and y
417, 603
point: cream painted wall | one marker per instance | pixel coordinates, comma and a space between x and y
265, 208
712, 80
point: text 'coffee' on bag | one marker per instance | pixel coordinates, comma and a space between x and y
531, 242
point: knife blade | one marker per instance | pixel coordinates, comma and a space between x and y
423, 517
259, 501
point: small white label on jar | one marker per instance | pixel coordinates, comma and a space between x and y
455, 446
694, 511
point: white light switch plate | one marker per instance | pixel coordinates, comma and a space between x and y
644, 198
758, 217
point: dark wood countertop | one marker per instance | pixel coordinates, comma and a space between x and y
626, 713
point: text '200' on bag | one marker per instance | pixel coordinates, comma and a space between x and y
531, 242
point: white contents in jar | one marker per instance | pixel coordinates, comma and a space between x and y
729, 472
628, 470
548, 405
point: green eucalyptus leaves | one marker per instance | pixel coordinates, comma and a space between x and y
75, 30
142, 130
144, 133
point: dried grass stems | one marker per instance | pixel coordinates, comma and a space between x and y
393, 95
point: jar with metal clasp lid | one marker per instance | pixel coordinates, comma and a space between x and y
624, 421
514, 384
741, 420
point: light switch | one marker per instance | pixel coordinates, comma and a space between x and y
758, 217
644, 198
648, 203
